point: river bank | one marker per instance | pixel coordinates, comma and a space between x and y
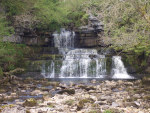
44, 96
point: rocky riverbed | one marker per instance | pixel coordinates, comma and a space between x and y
44, 96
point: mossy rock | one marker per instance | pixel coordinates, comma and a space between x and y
51, 105
47, 83
17, 71
30, 102
146, 80
87, 88
28, 80
10, 106
108, 111
69, 91
1, 73
81, 103
27, 111
2, 90
147, 97
69, 102
95, 111
50, 57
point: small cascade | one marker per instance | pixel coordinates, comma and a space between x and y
48, 71
64, 40
119, 71
101, 66
80, 64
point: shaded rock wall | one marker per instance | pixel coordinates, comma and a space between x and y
87, 36
137, 65
40, 39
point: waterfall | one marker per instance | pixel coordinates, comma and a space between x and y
81, 63
118, 70
64, 40
48, 71
78, 63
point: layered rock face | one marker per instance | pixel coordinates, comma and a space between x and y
27, 34
87, 36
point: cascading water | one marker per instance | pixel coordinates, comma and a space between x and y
78, 63
118, 69
81, 63
64, 40
48, 71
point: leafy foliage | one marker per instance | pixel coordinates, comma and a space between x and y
49, 13
15, 7
5, 30
127, 23
11, 56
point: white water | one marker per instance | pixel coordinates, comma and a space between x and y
64, 40
119, 71
78, 64
48, 71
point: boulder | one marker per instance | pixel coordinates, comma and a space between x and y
69, 91
30, 102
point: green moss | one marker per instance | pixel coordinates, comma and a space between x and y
70, 102
27, 111
108, 111
95, 111
95, 105
147, 98
1, 72
146, 81
82, 102
30, 102
10, 106
11, 55
50, 105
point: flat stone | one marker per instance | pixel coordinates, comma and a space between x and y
114, 104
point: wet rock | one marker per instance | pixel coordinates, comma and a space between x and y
63, 86
87, 88
93, 56
93, 81
38, 92
18, 102
69, 91
30, 102
46, 83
